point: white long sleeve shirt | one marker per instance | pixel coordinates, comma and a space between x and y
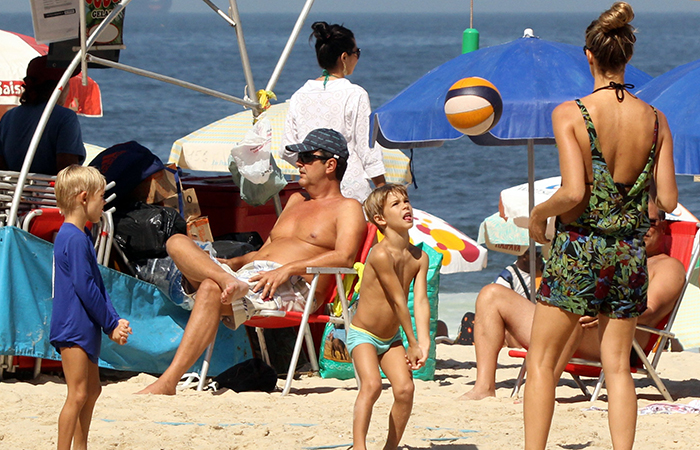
344, 107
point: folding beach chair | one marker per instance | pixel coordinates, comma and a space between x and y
285, 319
37, 193
683, 241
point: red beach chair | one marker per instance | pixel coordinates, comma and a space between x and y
684, 245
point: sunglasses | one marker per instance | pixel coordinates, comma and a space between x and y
655, 222
585, 47
309, 158
356, 52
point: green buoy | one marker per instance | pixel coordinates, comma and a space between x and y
470, 40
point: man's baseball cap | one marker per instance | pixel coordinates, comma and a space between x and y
323, 139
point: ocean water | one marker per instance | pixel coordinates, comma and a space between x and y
459, 181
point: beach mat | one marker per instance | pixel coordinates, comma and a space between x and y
157, 323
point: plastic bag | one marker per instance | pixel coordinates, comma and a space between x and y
252, 155
163, 273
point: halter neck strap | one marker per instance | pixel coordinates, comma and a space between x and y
619, 89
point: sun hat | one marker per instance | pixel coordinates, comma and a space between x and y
323, 139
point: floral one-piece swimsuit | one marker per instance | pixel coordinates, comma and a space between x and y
597, 264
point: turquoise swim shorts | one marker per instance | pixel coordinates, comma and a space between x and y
357, 336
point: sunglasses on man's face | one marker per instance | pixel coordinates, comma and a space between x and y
309, 158
654, 221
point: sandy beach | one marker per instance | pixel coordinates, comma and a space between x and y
318, 413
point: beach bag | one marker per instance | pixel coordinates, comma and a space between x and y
332, 362
142, 230
427, 372
250, 375
334, 359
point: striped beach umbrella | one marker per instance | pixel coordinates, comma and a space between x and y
208, 148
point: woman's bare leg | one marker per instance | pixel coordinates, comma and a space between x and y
615, 344
551, 329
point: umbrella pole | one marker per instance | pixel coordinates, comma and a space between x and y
531, 205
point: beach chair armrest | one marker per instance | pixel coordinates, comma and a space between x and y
330, 270
585, 362
668, 334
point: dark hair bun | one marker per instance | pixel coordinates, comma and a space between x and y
618, 16
321, 31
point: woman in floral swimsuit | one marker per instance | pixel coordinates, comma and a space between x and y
597, 264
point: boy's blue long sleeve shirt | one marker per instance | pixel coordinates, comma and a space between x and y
81, 305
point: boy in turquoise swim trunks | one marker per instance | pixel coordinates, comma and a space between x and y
374, 338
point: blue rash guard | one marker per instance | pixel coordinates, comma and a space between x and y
81, 306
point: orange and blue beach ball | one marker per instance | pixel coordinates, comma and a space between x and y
473, 106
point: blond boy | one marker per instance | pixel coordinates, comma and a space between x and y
374, 339
81, 306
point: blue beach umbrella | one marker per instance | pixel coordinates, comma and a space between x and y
533, 76
677, 94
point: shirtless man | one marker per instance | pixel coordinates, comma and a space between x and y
500, 310
318, 228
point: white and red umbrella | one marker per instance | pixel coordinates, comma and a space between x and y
513, 203
16, 50
460, 253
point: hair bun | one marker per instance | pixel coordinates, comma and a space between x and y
321, 31
618, 16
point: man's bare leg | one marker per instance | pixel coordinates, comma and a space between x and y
497, 309
197, 266
199, 333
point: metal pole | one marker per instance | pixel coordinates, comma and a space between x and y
220, 13
531, 204
289, 46
251, 92
34, 143
83, 46
171, 80
471, 14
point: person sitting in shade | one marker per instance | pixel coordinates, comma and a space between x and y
61, 143
501, 312
317, 228
515, 277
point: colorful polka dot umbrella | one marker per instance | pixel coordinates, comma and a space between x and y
460, 252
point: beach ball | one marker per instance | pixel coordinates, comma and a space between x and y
473, 106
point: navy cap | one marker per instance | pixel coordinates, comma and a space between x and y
323, 139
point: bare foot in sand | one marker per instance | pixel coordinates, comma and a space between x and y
232, 289
477, 394
158, 387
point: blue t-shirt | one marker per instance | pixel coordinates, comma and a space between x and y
61, 135
81, 306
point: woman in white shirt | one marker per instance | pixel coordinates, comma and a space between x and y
332, 101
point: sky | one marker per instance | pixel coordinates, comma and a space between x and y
414, 6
